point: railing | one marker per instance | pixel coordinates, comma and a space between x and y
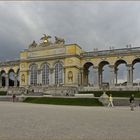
109, 52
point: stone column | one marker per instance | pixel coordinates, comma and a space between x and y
112, 76
86, 78
51, 77
78, 78
39, 77
0, 81
63, 82
129, 75
116, 75
6, 80
96, 77
81, 77
100, 77
15, 82
29, 77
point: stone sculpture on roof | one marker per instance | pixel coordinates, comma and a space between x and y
45, 40
59, 40
33, 45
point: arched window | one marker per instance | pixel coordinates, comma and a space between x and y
11, 76
58, 73
45, 74
3, 78
33, 77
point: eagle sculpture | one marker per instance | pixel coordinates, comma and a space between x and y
45, 38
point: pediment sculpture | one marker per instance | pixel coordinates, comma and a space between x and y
33, 45
59, 40
45, 38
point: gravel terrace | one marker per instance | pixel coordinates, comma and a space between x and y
23, 121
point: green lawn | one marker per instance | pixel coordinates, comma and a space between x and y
64, 101
114, 93
3, 93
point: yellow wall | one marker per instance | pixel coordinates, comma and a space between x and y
71, 62
74, 80
73, 49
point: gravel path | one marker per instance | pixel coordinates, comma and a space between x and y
22, 121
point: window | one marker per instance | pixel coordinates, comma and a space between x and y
33, 75
45, 74
58, 73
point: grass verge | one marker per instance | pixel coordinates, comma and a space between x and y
64, 101
114, 93
3, 93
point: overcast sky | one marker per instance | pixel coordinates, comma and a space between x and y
90, 24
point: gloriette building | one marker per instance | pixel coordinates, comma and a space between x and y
49, 66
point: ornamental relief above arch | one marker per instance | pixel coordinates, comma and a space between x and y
32, 64
58, 61
44, 63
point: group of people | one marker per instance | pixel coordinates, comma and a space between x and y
131, 100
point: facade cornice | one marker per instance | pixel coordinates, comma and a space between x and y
114, 52
49, 58
10, 63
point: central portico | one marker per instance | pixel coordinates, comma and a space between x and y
49, 64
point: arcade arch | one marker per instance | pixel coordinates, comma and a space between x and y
136, 74
88, 74
121, 72
11, 77
3, 78
104, 73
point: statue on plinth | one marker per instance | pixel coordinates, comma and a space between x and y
33, 45
45, 39
59, 40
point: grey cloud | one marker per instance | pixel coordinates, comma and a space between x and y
90, 24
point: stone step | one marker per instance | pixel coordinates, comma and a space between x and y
125, 102
35, 94
4, 98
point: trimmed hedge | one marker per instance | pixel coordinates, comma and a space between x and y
64, 101
3, 93
114, 93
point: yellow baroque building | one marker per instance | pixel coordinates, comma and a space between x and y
47, 66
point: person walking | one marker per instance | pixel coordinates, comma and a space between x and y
110, 101
132, 102
14, 97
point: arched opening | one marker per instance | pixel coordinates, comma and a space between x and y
33, 75
45, 74
121, 73
18, 77
59, 72
11, 76
136, 74
104, 74
88, 79
3, 78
